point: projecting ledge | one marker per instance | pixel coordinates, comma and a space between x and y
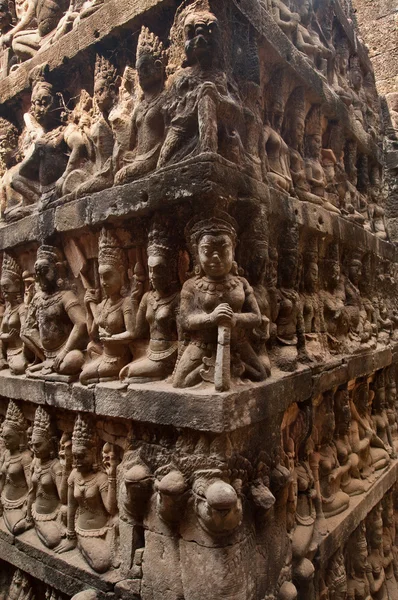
199, 408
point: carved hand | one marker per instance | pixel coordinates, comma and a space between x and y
65, 546
6, 40
91, 296
137, 290
58, 359
110, 469
223, 315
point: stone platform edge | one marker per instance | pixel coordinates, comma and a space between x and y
201, 409
179, 185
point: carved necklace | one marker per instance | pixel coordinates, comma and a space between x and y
216, 287
157, 300
108, 308
47, 301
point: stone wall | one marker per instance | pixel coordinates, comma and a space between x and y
199, 338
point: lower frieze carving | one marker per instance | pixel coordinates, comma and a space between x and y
154, 511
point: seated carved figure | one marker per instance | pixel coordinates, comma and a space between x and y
77, 11
216, 302
92, 502
275, 147
156, 313
357, 568
334, 500
360, 329
290, 331
333, 301
147, 126
375, 210
287, 20
13, 320
48, 491
204, 113
389, 552
106, 85
379, 414
336, 577
9, 159
304, 496
376, 573
55, 329
38, 21
311, 303
38, 173
351, 482
110, 322
364, 440
314, 171
308, 40
14, 470
340, 82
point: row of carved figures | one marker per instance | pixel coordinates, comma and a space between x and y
175, 499
366, 568
24, 587
216, 328
335, 448
137, 125
27, 27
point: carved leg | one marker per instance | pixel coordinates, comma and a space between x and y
49, 533
147, 368
97, 552
207, 120
188, 369
72, 363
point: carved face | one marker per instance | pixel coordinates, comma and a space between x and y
311, 276
356, 79
305, 11
277, 115
7, 145
10, 287
108, 456
41, 446
65, 449
159, 272
355, 272
43, 105
105, 95
83, 458
342, 58
343, 411
257, 266
333, 273
359, 557
362, 399
111, 279
388, 513
11, 438
325, 421
150, 71
216, 255
381, 397
221, 510
314, 145
46, 274
297, 132
200, 32
288, 270
392, 395
376, 532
